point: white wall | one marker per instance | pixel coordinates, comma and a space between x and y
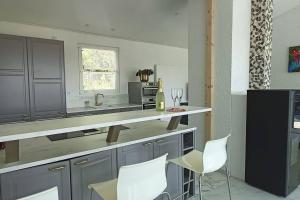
223, 63
172, 61
239, 84
286, 31
240, 45
197, 62
238, 135
232, 45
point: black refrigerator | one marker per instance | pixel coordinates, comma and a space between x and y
272, 142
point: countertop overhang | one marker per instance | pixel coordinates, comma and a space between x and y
25, 130
46, 151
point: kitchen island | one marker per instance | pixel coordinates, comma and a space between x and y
46, 151
73, 163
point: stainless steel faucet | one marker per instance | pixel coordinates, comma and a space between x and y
97, 101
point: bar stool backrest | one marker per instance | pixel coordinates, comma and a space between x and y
145, 180
51, 194
215, 155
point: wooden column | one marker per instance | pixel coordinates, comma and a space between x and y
210, 58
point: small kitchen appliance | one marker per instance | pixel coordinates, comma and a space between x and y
143, 93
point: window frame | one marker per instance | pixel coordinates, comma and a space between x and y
81, 70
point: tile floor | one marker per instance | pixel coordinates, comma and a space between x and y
215, 188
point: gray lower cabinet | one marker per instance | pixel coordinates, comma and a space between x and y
90, 169
135, 153
146, 151
172, 146
29, 181
73, 177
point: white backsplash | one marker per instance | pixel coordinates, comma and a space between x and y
75, 101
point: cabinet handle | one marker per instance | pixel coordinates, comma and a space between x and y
148, 144
81, 162
57, 169
159, 141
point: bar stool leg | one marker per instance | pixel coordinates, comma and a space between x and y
228, 180
91, 194
168, 195
189, 184
200, 187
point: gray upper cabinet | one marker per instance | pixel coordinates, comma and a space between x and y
14, 101
46, 78
172, 146
90, 169
12, 53
46, 58
29, 181
32, 84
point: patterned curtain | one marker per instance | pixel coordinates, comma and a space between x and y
261, 44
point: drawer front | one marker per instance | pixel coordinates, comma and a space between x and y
33, 180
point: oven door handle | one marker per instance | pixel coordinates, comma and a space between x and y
150, 104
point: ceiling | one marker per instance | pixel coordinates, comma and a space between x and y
282, 6
156, 21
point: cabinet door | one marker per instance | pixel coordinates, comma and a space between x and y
90, 169
13, 53
29, 181
135, 153
46, 78
14, 101
172, 146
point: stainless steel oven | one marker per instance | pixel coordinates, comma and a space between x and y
149, 91
149, 106
142, 93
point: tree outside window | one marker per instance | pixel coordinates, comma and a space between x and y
99, 69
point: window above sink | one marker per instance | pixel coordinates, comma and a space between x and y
99, 69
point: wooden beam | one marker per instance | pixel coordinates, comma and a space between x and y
209, 74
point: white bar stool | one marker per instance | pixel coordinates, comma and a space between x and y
212, 159
51, 194
144, 181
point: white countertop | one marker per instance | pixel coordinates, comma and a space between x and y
19, 131
39, 151
100, 108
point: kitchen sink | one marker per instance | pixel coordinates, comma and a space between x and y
83, 133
